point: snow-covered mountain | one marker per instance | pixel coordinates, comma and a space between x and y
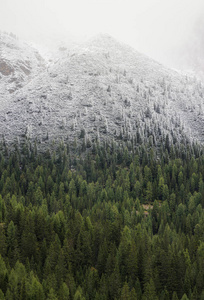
102, 88
19, 62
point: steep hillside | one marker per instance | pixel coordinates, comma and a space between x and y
19, 63
107, 89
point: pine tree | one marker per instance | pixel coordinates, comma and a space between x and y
174, 296
125, 292
149, 291
184, 297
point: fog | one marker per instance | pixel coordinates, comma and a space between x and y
162, 29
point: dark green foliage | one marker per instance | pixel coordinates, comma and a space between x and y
116, 222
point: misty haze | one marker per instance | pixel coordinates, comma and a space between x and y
164, 30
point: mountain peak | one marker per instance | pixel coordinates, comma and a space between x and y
105, 88
105, 41
104, 37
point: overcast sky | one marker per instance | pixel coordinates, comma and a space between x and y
154, 27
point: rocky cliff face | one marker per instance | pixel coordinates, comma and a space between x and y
102, 88
19, 63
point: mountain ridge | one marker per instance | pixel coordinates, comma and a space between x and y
104, 88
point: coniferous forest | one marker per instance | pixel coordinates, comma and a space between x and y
102, 221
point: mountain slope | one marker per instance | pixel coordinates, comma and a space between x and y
107, 89
19, 63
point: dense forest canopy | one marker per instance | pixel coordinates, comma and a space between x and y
102, 220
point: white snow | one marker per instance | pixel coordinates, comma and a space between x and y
103, 87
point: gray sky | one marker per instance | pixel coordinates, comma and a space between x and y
154, 27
